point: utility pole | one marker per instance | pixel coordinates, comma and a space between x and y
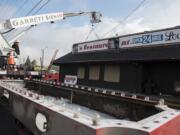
42, 60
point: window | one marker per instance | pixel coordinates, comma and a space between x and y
75, 49
111, 44
81, 72
94, 72
112, 73
177, 86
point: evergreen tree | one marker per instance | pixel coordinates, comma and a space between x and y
34, 63
27, 64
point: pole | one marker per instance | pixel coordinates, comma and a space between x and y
41, 64
42, 60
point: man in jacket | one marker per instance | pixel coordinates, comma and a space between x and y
16, 47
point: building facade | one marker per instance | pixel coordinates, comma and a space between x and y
147, 62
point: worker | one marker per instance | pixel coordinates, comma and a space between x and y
16, 47
11, 60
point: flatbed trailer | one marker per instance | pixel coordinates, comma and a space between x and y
48, 118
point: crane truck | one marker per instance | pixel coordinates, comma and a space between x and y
7, 53
69, 108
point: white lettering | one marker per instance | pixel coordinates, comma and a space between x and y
151, 38
33, 20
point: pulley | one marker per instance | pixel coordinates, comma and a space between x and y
95, 17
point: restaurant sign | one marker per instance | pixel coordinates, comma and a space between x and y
93, 46
151, 38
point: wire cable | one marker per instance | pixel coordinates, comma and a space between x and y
33, 14
20, 8
4, 10
92, 30
35, 6
41, 7
37, 12
96, 34
89, 34
126, 18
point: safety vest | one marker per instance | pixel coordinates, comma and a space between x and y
11, 60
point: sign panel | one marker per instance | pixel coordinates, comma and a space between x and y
33, 72
36, 19
93, 46
3, 72
70, 79
152, 38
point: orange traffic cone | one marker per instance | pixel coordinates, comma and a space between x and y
11, 60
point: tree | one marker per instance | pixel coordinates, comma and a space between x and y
34, 63
27, 64
56, 68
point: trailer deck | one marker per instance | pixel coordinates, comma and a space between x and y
56, 119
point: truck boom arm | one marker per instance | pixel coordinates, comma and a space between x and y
15, 23
34, 20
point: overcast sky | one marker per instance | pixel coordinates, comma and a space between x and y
153, 14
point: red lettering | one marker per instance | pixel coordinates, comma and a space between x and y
96, 46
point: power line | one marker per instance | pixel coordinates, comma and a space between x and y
41, 7
4, 10
20, 7
35, 6
127, 17
27, 29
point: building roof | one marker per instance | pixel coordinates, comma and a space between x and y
155, 53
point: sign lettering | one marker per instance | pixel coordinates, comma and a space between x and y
151, 38
93, 46
33, 20
70, 79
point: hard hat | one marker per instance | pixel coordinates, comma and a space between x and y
17, 41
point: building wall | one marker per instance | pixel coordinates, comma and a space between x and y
164, 76
134, 77
130, 76
68, 69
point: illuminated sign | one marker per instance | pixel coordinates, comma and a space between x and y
93, 46
70, 79
150, 38
33, 20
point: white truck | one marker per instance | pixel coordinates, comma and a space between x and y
30, 21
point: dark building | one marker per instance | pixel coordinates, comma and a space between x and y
147, 62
